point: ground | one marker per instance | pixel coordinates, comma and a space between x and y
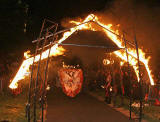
82, 108
12, 108
151, 113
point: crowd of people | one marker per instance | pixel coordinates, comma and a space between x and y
119, 84
114, 86
115, 79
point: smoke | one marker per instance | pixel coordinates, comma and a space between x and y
92, 51
140, 18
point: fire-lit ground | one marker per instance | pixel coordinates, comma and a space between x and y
82, 108
12, 108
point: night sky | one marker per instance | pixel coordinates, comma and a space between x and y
15, 13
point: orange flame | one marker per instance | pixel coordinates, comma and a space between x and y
27, 54
121, 63
122, 54
132, 52
106, 62
24, 68
55, 50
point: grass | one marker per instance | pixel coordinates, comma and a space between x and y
150, 113
12, 108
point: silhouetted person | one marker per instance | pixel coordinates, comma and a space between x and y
108, 88
118, 88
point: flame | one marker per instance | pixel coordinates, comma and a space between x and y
24, 68
122, 54
132, 52
106, 62
121, 63
55, 50
27, 54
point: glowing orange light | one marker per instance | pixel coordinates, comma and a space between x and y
55, 50
24, 68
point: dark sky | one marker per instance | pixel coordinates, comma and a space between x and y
14, 13
13, 16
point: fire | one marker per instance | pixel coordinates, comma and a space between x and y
121, 63
106, 62
24, 68
27, 54
55, 50
132, 52
88, 24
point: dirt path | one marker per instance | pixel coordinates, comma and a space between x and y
82, 108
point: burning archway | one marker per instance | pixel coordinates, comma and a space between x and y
90, 22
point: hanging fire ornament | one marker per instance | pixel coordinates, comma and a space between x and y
71, 81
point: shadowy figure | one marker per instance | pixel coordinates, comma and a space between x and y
118, 88
108, 88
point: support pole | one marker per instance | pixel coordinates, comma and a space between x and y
140, 84
36, 82
45, 75
129, 78
44, 82
31, 77
113, 80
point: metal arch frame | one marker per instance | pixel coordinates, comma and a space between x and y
53, 35
32, 93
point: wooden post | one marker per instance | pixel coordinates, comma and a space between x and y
35, 87
129, 78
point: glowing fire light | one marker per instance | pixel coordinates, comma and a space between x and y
27, 54
55, 50
106, 61
121, 63
24, 68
